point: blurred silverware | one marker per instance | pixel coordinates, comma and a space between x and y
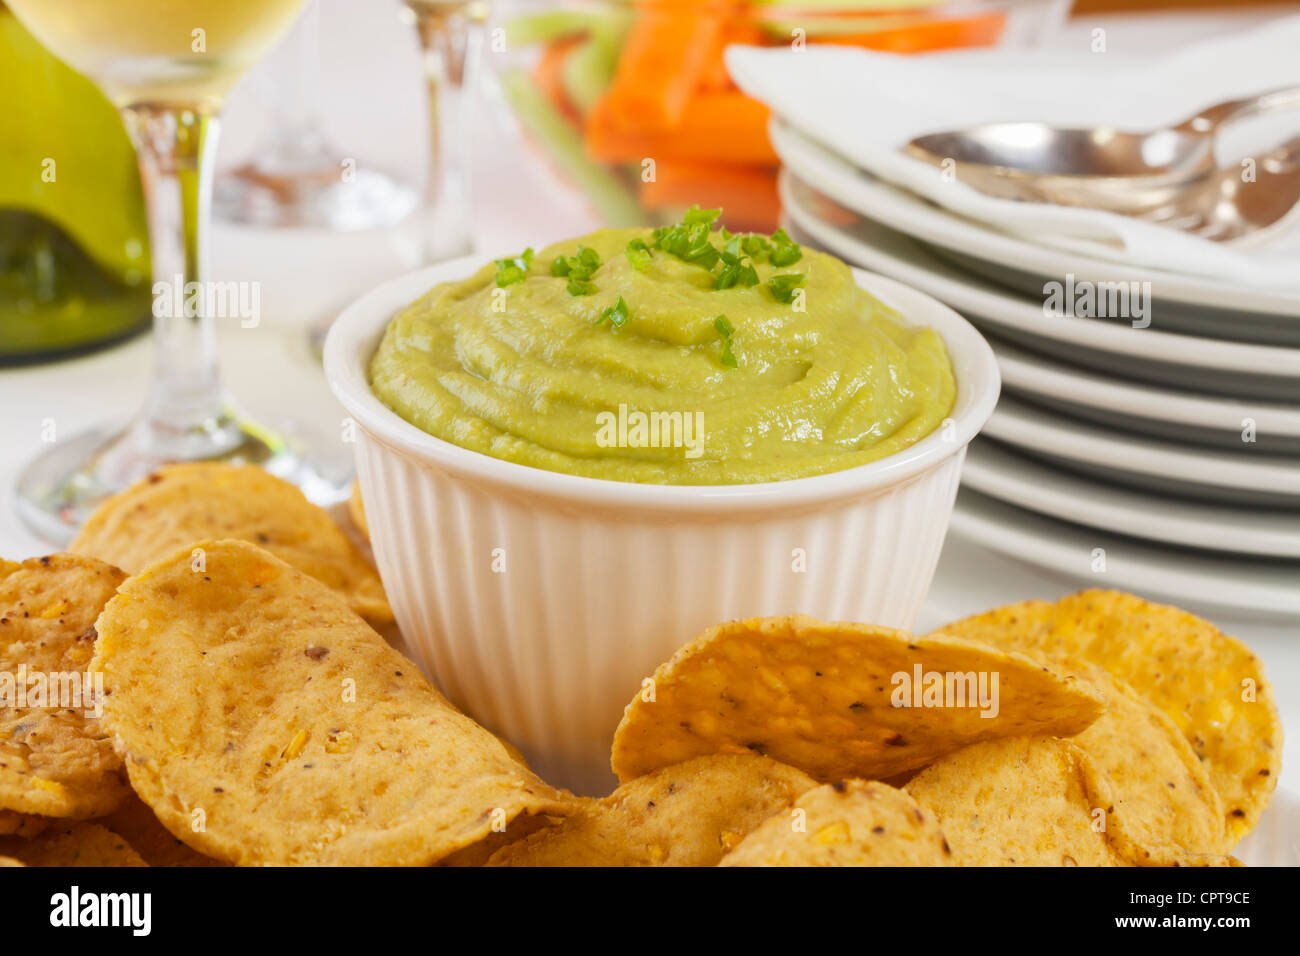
1236, 201
1134, 173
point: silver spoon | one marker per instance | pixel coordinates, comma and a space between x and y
1102, 168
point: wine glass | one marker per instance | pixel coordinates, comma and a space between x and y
450, 33
167, 65
294, 181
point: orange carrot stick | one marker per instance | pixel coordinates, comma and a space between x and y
923, 37
659, 69
747, 194
720, 127
549, 74
715, 78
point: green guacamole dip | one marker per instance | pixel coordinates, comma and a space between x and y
530, 372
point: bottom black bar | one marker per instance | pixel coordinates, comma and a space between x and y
336, 906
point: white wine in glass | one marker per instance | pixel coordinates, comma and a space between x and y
167, 65
188, 53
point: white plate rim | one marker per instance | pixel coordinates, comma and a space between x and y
1027, 372
1014, 422
1031, 486
975, 296
1140, 567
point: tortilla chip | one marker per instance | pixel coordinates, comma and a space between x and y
182, 504
23, 825
689, 814
1184, 665
820, 696
856, 823
54, 761
1020, 627
357, 510
73, 844
1209, 859
138, 825
1163, 808
526, 824
247, 697
1023, 801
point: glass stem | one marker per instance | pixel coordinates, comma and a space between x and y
296, 126
450, 36
185, 410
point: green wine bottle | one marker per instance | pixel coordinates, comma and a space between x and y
74, 251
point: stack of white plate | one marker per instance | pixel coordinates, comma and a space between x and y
1163, 459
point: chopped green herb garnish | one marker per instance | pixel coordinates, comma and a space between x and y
639, 254
617, 314
725, 329
785, 251
690, 243
735, 269
508, 274
696, 215
783, 256
579, 268
512, 270
783, 286
755, 246
740, 272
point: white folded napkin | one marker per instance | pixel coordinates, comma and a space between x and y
866, 106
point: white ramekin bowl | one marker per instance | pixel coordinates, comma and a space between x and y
539, 601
